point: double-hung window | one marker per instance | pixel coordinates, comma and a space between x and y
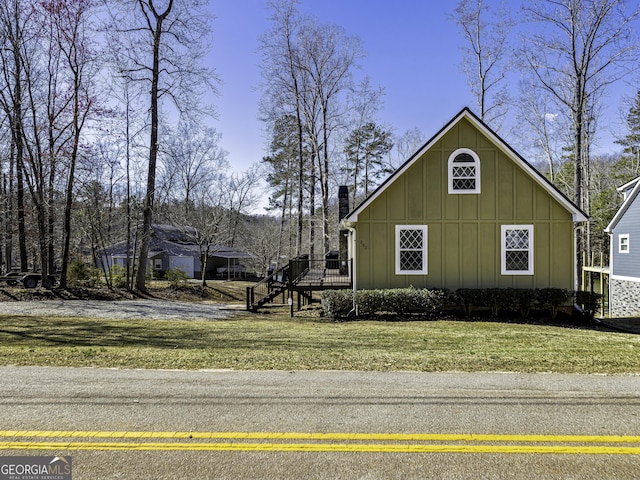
517, 250
623, 243
411, 249
464, 172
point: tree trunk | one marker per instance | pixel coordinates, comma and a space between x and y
18, 139
324, 177
69, 194
147, 214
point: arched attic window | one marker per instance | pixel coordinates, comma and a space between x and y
464, 172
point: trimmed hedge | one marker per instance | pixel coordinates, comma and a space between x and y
523, 300
340, 304
399, 301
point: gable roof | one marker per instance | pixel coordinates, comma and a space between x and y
628, 185
630, 197
466, 113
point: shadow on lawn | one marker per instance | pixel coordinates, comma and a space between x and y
83, 332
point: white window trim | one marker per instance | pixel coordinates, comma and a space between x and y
425, 237
476, 162
624, 236
503, 250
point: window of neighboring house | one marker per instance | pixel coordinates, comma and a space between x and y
464, 172
623, 243
157, 263
517, 250
411, 249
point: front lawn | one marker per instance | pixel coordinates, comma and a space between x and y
279, 343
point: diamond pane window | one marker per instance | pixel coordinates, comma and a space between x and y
411, 249
464, 172
517, 250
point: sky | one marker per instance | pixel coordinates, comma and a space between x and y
413, 52
401, 42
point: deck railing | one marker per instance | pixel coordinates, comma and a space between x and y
320, 272
302, 274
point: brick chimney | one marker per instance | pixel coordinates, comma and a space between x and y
343, 210
343, 201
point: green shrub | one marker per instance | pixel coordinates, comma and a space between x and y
176, 277
522, 300
118, 276
369, 302
430, 302
496, 299
405, 301
337, 303
468, 298
82, 273
400, 301
551, 299
589, 302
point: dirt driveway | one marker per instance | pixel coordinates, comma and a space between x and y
123, 309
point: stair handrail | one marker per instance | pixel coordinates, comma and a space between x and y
271, 281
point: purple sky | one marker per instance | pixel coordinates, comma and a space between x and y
404, 41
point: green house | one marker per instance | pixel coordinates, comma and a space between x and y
465, 211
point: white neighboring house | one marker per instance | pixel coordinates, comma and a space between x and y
624, 263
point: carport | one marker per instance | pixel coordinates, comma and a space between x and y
233, 267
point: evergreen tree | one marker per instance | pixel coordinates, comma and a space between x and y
628, 167
365, 150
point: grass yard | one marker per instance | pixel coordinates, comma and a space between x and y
277, 342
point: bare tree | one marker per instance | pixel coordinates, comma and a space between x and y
545, 135
162, 43
282, 90
486, 53
205, 218
262, 243
578, 49
79, 58
327, 56
16, 49
307, 68
239, 198
193, 158
581, 47
48, 127
404, 146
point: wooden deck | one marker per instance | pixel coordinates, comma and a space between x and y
303, 276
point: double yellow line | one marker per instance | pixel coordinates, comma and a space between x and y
319, 442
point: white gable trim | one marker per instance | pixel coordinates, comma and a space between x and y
628, 185
578, 215
625, 205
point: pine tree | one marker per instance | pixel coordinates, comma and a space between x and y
628, 167
365, 150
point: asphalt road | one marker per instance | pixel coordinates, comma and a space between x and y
143, 424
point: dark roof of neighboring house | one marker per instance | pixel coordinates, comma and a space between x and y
173, 233
578, 214
177, 241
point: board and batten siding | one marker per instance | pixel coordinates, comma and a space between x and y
627, 264
464, 231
